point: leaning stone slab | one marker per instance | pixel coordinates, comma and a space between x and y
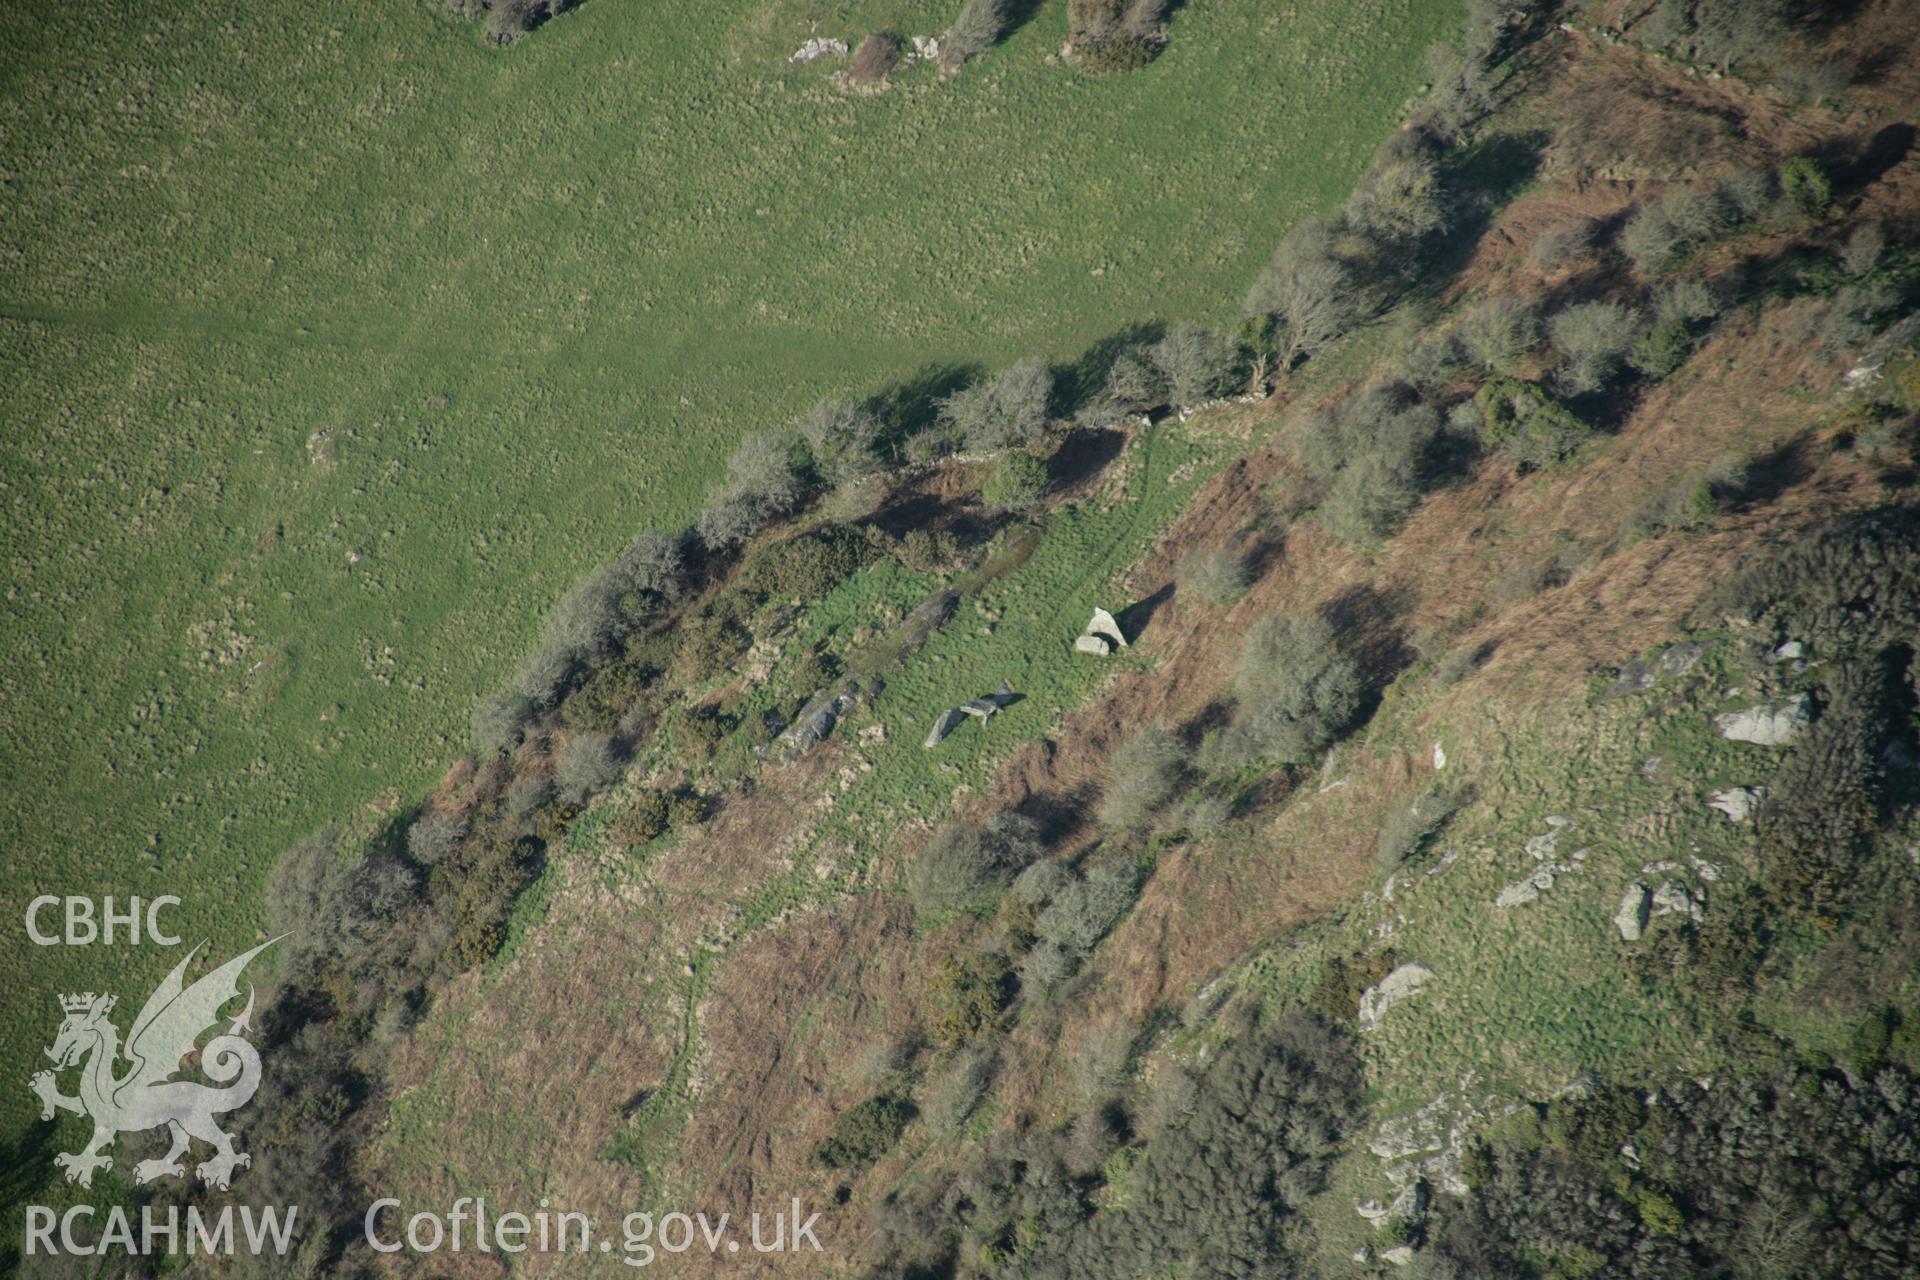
1636, 905
1391, 990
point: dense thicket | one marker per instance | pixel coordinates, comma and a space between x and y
1788, 1175
1238, 1146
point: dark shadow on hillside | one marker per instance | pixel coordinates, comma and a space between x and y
1263, 548
1367, 625
1484, 176
1085, 454
1135, 617
1771, 474
1060, 815
969, 525
1855, 169
1216, 715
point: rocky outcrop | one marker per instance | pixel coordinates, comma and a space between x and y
1738, 803
1541, 848
819, 48
1767, 726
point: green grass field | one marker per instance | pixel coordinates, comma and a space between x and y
334, 342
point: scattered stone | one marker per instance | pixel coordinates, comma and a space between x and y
1789, 651
1767, 726
1373, 1211
1559, 820
1705, 870
1401, 1255
925, 48
1635, 907
1391, 990
1439, 758
1650, 767
1096, 645
819, 48
1672, 898
1523, 891
1738, 803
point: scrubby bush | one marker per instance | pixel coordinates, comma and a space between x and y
1206, 814
978, 28
1115, 35
958, 1090
1044, 967
433, 836
841, 437
1296, 692
1751, 192
528, 793
1081, 913
1862, 251
1144, 774
1593, 339
1804, 186
1855, 314
1779, 1173
1369, 458
763, 482
645, 820
508, 20
708, 645
1499, 333
961, 862
1017, 483
875, 58
499, 721
1313, 294
1573, 241
803, 568
586, 764
865, 1133
1401, 197
1211, 1193
1724, 33
1037, 885
1213, 576
1134, 383
1526, 424
967, 992
1004, 412
1197, 364
1690, 502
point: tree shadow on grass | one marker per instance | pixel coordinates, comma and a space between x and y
911, 405
1077, 383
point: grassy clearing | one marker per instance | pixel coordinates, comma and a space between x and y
337, 344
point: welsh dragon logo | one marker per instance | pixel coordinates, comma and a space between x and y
145, 1096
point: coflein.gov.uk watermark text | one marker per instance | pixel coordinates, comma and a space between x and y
467, 1225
